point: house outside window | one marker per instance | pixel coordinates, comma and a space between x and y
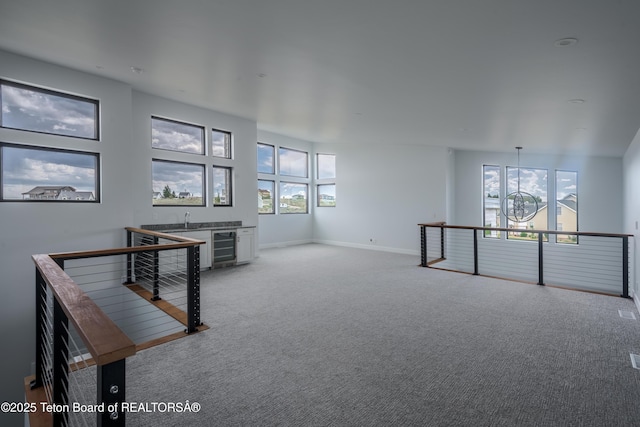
38, 174
177, 183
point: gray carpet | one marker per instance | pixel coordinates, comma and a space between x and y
318, 335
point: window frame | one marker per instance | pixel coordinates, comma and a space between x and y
97, 180
492, 234
57, 93
318, 168
318, 204
204, 183
228, 148
274, 199
577, 210
229, 185
183, 123
273, 159
306, 162
306, 186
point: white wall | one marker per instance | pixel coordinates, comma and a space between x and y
244, 184
631, 173
600, 198
382, 193
26, 229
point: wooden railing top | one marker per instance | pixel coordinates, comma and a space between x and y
180, 242
515, 230
104, 340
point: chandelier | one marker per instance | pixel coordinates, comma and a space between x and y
519, 206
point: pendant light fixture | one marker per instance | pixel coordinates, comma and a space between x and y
519, 206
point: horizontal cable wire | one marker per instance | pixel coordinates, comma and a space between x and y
595, 263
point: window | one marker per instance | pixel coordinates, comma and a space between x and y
266, 196
265, 158
534, 182
566, 205
293, 163
45, 111
491, 200
177, 136
326, 195
221, 186
177, 183
293, 198
326, 166
46, 174
220, 144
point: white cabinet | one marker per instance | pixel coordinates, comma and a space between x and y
205, 250
245, 245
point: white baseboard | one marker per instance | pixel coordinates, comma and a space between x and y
370, 247
285, 244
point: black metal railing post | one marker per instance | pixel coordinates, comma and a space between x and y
423, 246
625, 267
111, 385
60, 362
129, 259
193, 288
475, 251
540, 261
441, 242
41, 307
156, 272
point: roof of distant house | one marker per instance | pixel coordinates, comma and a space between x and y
40, 189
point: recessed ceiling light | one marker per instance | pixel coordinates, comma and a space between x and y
576, 101
568, 41
137, 70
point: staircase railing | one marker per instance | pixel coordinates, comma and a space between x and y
592, 261
74, 334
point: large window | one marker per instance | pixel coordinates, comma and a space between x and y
534, 182
276, 196
222, 186
177, 183
45, 174
491, 200
45, 111
293, 198
221, 144
566, 205
266, 196
177, 136
293, 162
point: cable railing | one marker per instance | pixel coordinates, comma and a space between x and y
589, 261
90, 317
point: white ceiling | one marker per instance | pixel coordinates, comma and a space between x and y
471, 74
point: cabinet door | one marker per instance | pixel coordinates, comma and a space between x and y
205, 250
245, 245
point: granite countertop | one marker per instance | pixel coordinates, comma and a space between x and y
195, 226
